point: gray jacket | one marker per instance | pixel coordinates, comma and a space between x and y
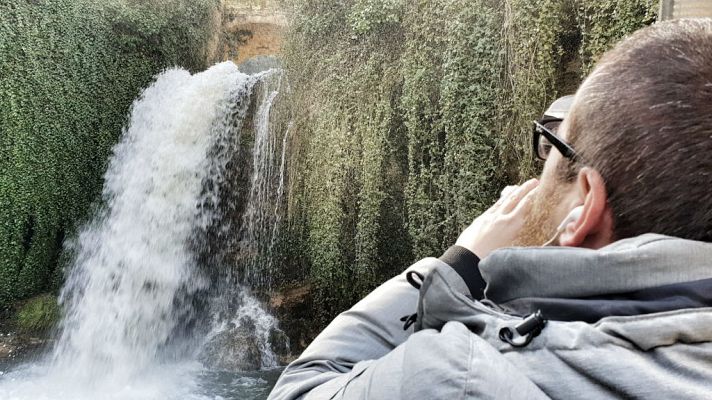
631, 320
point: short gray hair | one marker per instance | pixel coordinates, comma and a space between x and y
643, 120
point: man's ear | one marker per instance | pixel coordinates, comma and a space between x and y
594, 229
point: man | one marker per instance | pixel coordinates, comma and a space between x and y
620, 308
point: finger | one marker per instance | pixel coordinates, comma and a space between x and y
508, 190
525, 205
495, 206
511, 202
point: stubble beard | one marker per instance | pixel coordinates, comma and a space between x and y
538, 226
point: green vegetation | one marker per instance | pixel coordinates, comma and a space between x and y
408, 117
38, 314
411, 115
69, 71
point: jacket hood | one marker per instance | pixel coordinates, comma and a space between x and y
641, 275
631, 264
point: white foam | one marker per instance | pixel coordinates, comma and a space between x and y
135, 261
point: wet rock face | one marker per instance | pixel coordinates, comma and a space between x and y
17, 348
235, 349
258, 64
294, 307
279, 341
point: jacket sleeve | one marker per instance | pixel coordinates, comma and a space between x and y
370, 330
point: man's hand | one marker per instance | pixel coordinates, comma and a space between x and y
499, 226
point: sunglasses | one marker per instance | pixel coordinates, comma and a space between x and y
544, 139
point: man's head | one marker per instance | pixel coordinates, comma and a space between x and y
642, 124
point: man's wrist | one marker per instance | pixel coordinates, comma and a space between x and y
466, 264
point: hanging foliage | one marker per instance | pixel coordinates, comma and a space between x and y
412, 115
408, 117
69, 71
603, 23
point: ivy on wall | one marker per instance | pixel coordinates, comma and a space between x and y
69, 71
408, 117
412, 115
603, 23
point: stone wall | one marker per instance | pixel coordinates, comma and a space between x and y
251, 28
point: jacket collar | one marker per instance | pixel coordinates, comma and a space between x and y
627, 265
641, 275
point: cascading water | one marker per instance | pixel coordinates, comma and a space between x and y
242, 323
135, 258
266, 189
132, 309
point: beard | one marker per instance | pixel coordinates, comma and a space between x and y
539, 227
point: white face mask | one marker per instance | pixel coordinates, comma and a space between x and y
573, 215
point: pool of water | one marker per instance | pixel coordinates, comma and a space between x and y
185, 381
243, 386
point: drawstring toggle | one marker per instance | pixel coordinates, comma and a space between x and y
528, 329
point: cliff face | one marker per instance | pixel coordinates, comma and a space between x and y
251, 28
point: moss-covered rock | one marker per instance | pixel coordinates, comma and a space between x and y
37, 315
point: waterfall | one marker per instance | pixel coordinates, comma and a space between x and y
267, 186
243, 320
134, 299
134, 259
